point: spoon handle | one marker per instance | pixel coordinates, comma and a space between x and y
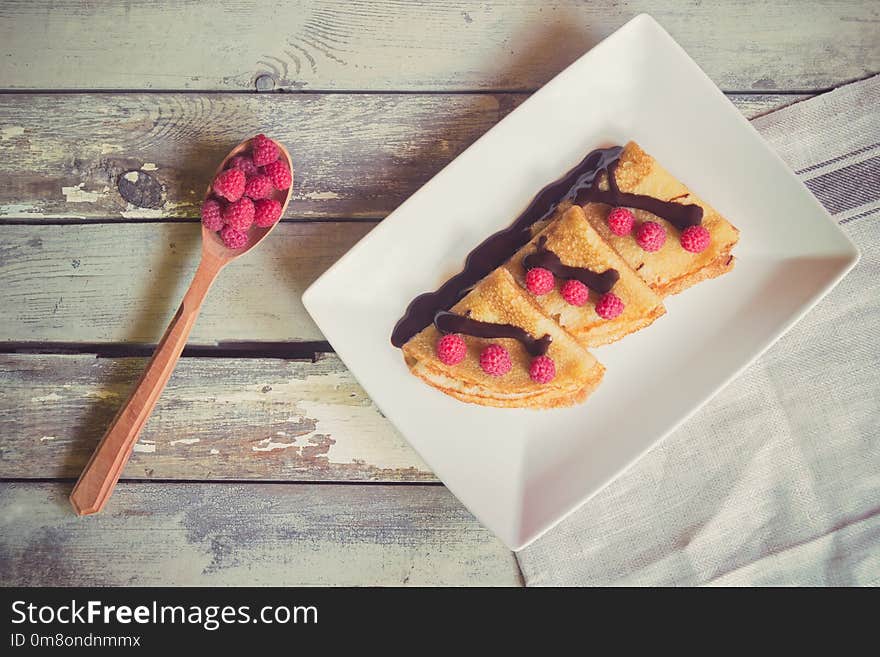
98, 479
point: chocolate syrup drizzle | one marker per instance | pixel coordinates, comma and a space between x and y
679, 215
579, 186
546, 259
447, 322
497, 248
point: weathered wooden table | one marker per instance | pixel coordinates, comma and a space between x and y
265, 463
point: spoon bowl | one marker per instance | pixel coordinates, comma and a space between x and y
211, 242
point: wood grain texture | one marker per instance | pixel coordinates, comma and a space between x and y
354, 155
743, 45
219, 418
120, 157
248, 534
74, 284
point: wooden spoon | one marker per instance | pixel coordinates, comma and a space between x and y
98, 479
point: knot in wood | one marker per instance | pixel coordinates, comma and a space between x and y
141, 189
264, 83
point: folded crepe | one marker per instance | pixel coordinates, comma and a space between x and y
498, 299
577, 243
671, 269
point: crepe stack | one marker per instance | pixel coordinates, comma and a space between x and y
580, 237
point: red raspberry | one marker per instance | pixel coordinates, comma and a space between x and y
695, 239
279, 174
575, 292
651, 236
233, 238
542, 369
264, 150
621, 221
540, 281
495, 360
212, 214
451, 349
609, 306
266, 212
230, 184
239, 215
244, 163
258, 187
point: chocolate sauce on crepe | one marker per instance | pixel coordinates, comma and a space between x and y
447, 322
546, 259
679, 215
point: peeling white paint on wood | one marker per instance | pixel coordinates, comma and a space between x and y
44, 438
359, 420
132, 212
268, 445
10, 132
51, 397
27, 210
77, 194
99, 394
305, 421
184, 441
318, 196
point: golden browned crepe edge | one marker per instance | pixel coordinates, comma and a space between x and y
632, 327
543, 399
721, 265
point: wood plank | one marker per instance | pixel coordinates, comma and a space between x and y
219, 418
387, 45
123, 283
248, 534
356, 156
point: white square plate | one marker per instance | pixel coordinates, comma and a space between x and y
522, 471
